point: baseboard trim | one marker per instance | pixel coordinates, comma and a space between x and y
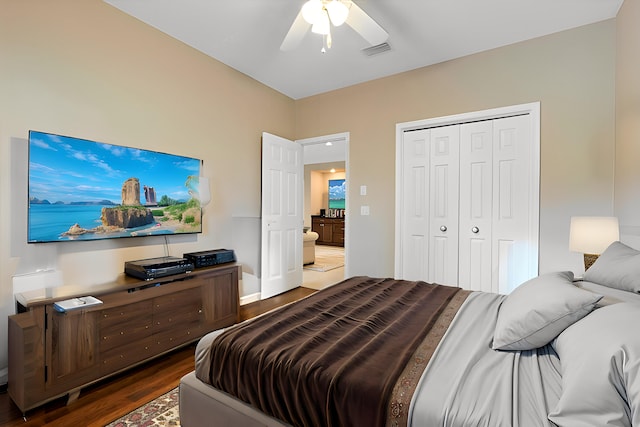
250, 298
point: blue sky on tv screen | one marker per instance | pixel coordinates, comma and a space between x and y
65, 169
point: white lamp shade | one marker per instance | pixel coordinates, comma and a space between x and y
321, 26
593, 234
312, 10
338, 12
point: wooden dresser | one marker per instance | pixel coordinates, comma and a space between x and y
52, 354
330, 230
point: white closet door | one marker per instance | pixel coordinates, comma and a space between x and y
490, 214
443, 205
415, 209
476, 206
512, 247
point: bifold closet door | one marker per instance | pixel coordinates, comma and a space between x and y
476, 205
495, 204
430, 205
415, 204
443, 205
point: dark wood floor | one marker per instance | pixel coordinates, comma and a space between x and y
101, 403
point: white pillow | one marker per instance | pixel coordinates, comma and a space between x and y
539, 309
600, 367
618, 267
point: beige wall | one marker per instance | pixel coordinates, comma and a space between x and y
627, 178
85, 69
571, 73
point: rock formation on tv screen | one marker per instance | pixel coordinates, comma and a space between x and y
131, 214
131, 192
150, 196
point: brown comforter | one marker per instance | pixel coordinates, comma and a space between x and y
349, 355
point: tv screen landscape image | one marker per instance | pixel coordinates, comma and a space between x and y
87, 190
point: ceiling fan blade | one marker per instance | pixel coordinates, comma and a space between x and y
366, 26
296, 33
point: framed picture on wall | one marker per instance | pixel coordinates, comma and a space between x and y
337, 193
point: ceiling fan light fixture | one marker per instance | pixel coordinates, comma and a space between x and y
322, 25
338, 12
312, 11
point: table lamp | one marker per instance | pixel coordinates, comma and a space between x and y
591, 235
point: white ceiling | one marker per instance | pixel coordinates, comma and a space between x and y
246, 34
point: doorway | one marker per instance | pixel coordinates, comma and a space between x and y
325, 159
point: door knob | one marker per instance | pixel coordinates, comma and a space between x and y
443, 228
475, 230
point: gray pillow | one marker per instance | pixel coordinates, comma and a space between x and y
539, 309
600, 366
618, 267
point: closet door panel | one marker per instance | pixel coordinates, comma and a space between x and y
443, 202
511, 202
415, 204
476, 206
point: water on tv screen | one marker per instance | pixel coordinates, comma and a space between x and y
337, 193
86, 190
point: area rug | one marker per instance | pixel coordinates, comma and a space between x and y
327, 258
161, 411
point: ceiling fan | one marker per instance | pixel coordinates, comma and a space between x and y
319, 15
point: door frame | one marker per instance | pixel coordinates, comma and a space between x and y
342, 137
533, 110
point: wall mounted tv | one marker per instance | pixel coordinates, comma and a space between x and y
86, 190
337, 193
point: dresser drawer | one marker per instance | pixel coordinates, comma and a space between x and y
176, 309
126, 355
172, 337
126, 324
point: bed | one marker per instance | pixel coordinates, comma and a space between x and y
383, 352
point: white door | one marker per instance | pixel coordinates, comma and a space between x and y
443, 205
512, 202
415, 207
476, 205
282, 204
491, 207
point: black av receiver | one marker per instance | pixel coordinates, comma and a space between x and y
154, 268
212, 257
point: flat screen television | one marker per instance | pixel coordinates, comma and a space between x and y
88, 190
337, 192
